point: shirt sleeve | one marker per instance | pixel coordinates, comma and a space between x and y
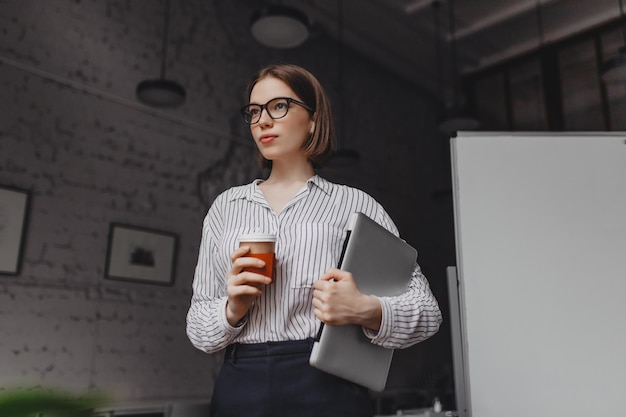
410, 317
207, 326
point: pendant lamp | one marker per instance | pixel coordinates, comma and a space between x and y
342, 157
162, 92
613, 71
278, 26
457, 117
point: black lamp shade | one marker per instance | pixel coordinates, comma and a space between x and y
280, 27
457, 119
160, 93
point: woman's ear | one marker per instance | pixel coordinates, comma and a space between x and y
312, 128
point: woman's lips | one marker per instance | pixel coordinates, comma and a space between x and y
265, 139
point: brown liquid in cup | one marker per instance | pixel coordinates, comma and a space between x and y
263, 250
268, 269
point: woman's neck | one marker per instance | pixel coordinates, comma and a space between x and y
287, 173
284, 182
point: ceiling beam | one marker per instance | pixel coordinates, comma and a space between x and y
417, 5
553, 35
500, 15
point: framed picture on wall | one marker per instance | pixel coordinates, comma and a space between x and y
141, 255
14, 207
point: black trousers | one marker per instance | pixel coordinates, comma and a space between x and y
275, 379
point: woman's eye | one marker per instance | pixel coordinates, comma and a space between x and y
280, 106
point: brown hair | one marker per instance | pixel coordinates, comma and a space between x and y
321, 143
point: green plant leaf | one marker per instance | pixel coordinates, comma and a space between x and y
47, 403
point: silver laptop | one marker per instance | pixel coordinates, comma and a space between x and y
381, 264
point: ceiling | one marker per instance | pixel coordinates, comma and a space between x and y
401, 35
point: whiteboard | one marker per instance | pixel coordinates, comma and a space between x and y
540, 223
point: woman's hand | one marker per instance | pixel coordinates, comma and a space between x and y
338, 301
242, 287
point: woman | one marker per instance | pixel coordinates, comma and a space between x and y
267, 326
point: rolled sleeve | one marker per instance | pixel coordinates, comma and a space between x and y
408, 318
384, 332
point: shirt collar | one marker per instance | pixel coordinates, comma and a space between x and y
251, 191
320, 183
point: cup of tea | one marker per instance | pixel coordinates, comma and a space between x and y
262, 246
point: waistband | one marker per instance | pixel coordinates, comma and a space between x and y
251, 350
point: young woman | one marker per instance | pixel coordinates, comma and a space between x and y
267, 326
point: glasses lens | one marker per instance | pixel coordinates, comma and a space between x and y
277, 108
251, 113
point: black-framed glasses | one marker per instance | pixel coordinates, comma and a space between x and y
276, 108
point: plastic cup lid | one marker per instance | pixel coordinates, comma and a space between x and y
257, 237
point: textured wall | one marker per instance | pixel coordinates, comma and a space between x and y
72, 132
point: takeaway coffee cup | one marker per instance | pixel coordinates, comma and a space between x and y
261, 246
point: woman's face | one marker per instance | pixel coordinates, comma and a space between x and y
280, 139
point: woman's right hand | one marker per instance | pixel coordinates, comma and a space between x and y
242, 287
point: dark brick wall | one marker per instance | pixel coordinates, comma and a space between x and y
72, 132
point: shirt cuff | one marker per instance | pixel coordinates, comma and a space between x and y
230, 330
378, 337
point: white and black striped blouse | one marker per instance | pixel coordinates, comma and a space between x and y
310, 229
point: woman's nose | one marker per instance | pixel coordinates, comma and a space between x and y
264, 118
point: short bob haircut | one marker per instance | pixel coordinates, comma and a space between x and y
321, 144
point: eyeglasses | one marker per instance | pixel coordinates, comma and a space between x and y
276, 108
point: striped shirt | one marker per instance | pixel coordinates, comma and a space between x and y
311, 229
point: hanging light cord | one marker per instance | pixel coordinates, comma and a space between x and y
437, 17
455, 72
621, 16
166, 31
340, 52
540, 24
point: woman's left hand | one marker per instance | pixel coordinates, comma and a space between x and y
338, 301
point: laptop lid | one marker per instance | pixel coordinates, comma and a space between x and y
381, 264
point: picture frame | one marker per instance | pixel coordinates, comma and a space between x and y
14, 213
141, 255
